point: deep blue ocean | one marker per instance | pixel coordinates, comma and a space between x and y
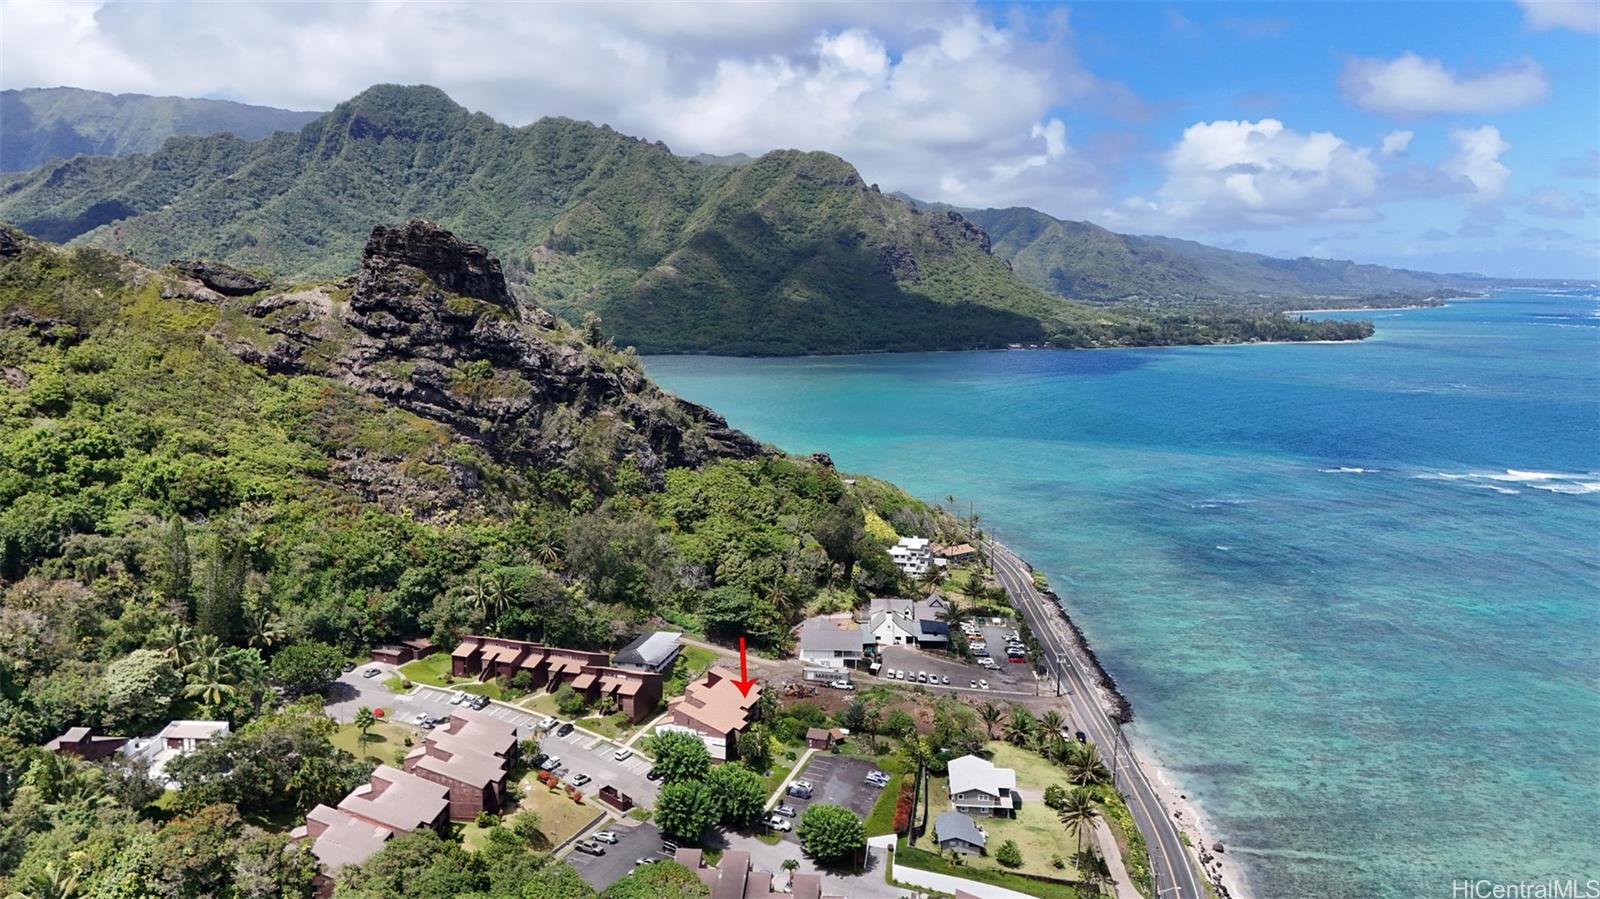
1352, 591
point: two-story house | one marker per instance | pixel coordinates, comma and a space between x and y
979, 787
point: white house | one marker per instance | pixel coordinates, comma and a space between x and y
176, 739
977, 787
833, 641
912, 555
908, 622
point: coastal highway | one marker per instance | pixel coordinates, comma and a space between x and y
1169, 859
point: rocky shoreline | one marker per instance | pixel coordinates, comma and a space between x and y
1111, 696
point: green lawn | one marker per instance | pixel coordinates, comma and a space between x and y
541, 702
384, 739
928, 861
782, 764
691, 663
434, 670
616, 726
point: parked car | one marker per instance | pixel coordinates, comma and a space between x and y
973, 683
652, 774
589, 847
348, 667
439, 720
944, 679
607, 836
538, 759
551, 763
841, 685
422, 720
1082, 738
622, 754
889, 674
922, 677
371, 672
564, 729
785, 810
877, 779
668, 847
481, 703
800, 789
983, 684
777, 823
579, 780
981, 654
645, 861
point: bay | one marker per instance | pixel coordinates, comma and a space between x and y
1352, 591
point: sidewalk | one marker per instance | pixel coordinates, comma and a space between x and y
1113, 857
799, 765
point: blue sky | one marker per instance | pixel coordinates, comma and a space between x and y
1445, 136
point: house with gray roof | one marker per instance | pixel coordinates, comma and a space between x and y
655, 651
833, 641
960, 833
979, 787
895, 621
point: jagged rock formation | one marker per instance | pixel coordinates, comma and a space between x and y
428, 325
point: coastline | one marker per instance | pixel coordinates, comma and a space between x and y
1226, 876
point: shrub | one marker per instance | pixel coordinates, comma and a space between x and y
487, 819
1008, 854
902, 805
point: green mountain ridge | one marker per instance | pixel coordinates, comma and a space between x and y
1086, 262
41, 124
789, 253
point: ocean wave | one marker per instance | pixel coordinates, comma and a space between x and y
1568, 483
1350, 469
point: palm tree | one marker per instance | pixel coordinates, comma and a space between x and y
175, 640
210, 681
791, 865
954, 612
365, 721
931, 578
990, 715
1078, 812
1083, 764
546, 546
1020, 726
1052, 722
51, 883
266, 628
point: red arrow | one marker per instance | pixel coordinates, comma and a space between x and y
744, 683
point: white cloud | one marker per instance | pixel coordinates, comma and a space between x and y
1551, 203
943, 101
1412, 85
1241, 174
1396, 142
1578, 15
1477, 160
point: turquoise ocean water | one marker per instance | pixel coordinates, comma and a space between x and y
1352, 591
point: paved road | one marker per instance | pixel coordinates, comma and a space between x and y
1170, 861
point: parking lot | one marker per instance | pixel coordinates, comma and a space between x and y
636, 842
837, 780
583, 753
1005, 677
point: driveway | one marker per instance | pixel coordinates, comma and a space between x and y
868, 884
585, 753
836, 780
637, 841
351, 690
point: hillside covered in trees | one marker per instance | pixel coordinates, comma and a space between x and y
789, 253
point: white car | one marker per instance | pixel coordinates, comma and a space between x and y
944, 679
889, 674
983, 684
607, 836
623, 754
777, 823
457, 698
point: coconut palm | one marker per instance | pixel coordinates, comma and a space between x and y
266, 628
1020, 727
991, 715
210, 681
365, 721
1078, 812
931, 578
1052, 721
51, 883
1083, 764
954, 613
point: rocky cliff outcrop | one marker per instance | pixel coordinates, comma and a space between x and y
224, 279
428, 326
